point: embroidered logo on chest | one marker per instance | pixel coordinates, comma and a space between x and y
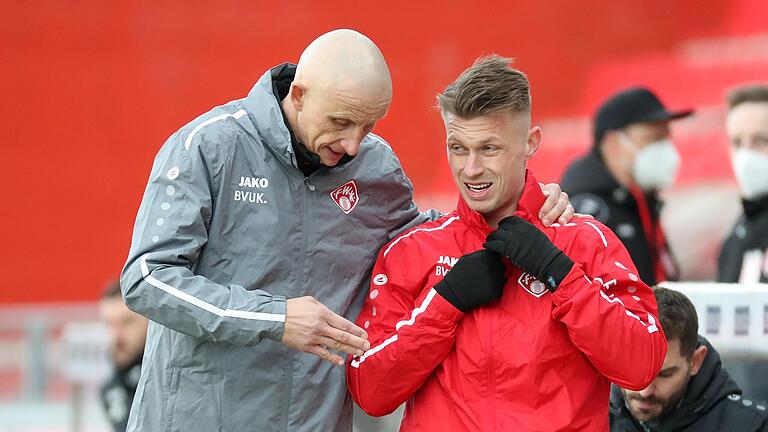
444, 264
345, 196
534, 286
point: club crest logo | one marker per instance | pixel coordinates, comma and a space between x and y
534, 286
345, 196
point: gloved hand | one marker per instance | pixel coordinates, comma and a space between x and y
476, 279
531, 250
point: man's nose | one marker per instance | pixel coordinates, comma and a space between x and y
351, 146
474, 166
351, 142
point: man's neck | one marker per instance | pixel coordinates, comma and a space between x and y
494, 219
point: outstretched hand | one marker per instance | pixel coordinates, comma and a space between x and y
313, 328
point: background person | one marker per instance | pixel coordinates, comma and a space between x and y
744, 254
619, 180
127, 336
692, 392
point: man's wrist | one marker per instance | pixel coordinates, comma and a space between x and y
446, 291
556, 271
445, 310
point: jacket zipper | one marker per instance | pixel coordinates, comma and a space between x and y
488, 318
300, 278
491, 383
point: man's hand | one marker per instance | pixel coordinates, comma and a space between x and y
531, 250
311, 327
476, 279
556, 207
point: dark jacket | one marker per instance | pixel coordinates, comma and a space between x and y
117, 394
594, 191
712, 402
748, 241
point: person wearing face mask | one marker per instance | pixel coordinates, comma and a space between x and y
618, 181
744, 255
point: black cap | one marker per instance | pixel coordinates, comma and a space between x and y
633, 105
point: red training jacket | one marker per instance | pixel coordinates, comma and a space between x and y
531, 361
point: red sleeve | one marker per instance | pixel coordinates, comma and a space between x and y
610, 313
411, 329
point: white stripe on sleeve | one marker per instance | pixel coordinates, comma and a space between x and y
181, 295
416, 312
197, 128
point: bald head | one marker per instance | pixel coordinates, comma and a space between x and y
341, 89
345, 59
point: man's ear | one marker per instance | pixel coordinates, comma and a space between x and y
297, 94
697, 359
534, 140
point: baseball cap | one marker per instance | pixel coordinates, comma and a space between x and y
633, 105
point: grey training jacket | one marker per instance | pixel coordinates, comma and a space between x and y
229, 228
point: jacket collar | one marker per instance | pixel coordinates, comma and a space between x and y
590, 174
262, 104
528, 206
265, 113
755, 206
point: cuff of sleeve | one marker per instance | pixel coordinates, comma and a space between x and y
275, 310
445, 309
570, 285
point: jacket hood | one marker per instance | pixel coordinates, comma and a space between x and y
705, 390
264, 111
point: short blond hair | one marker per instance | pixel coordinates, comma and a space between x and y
489, 86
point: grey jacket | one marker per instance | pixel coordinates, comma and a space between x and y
229, 228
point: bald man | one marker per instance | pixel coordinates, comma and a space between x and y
254, 242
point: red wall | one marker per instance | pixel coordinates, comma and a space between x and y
91, 90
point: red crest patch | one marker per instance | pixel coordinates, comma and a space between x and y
534, 286
345, 196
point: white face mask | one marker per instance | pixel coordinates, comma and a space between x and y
751, 169
655, 165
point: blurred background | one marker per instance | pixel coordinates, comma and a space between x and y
91, 90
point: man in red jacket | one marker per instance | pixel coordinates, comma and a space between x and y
485, 320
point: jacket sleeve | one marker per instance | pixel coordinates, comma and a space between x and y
402, 212
611, 315
159, 281
411, 329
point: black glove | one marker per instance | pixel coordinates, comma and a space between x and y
531, 250
476, 279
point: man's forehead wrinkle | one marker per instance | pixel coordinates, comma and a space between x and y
351, 103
